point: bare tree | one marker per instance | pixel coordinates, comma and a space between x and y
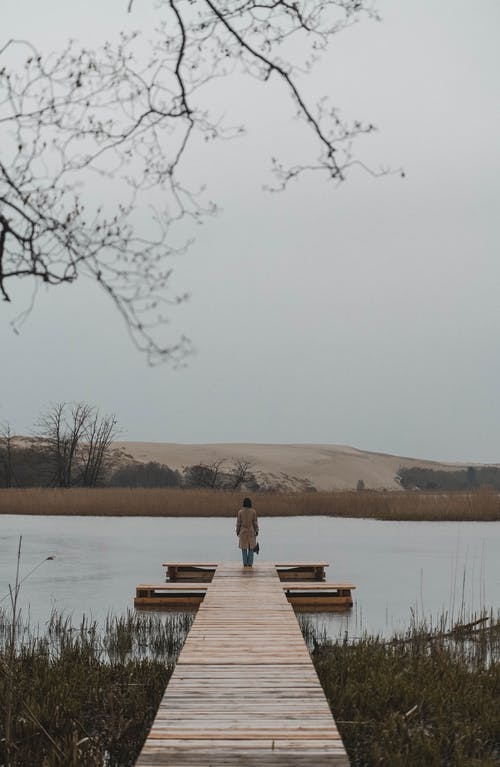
125, 119
77, 439
61, 432
216, 472
6, 452
99, 433
241, 472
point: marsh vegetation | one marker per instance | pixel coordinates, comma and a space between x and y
84, 695
477, 505
428, 697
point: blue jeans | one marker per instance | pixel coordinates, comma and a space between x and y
247, 555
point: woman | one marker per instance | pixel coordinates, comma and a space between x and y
247, 528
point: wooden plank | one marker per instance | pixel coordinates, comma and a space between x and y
314, 593
203, 586
315, 585
187, 571
244, 690
236, 564
167, 586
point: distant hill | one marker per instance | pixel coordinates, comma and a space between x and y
294, 467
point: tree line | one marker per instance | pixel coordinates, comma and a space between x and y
470, 478
217, 475
72, 447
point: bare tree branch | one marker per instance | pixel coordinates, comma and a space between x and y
91, 140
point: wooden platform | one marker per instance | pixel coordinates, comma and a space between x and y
244, 691
204, 571
304, 594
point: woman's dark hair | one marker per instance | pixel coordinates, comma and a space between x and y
247, 503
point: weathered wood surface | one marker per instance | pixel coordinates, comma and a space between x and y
285, 585
203, 571
213, 565
244, 690
301, 594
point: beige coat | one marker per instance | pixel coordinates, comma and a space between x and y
247, 528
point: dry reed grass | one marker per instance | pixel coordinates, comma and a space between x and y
479, 505
84, 696
425, 698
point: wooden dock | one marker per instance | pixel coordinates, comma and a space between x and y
303, 583
304, 595
204, 571
244, 690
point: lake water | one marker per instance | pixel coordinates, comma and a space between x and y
427, 567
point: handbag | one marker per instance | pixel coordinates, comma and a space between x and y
256, 549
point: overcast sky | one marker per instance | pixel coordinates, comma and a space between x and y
366, 314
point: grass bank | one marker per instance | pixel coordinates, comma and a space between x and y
479, 505
85, 697
429, 698
80, 696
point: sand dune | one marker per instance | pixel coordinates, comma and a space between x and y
326, 467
